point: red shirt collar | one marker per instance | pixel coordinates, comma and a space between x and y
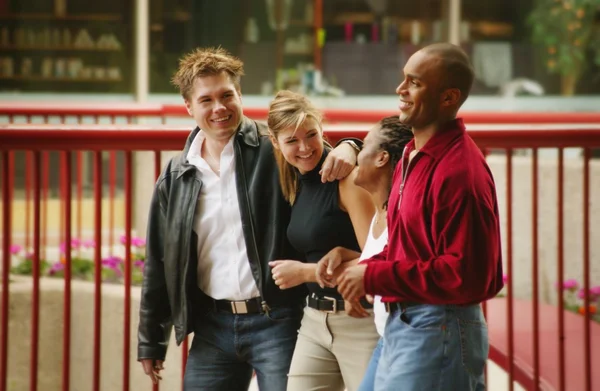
440, 140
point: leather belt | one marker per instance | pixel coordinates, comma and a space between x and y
331, 304
250, 306
391, 307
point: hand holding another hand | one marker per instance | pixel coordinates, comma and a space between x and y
328, 268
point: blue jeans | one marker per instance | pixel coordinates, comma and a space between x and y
368, 382
227, 347
434, 347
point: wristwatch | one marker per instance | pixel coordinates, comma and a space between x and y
352, 144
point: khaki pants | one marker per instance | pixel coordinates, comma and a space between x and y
332, 351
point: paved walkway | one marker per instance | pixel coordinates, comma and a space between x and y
497, 380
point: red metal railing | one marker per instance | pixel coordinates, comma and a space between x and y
38, 139
373, 116
132, 111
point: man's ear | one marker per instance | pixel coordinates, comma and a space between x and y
382, 159
188, 106
451, 97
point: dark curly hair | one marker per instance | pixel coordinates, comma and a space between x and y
394, 135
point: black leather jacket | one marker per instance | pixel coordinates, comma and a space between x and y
170, 272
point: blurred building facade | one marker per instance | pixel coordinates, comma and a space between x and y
358, 46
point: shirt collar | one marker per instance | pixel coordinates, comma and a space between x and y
196, 146
441, 139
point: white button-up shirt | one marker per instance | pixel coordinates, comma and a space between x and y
223, 266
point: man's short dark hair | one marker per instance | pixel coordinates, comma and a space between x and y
458, 71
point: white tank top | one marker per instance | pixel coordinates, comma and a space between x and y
372, 247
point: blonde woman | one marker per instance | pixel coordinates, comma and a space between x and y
333, 348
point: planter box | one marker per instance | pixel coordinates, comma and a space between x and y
82, 343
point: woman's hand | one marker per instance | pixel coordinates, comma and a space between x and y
355, 309
329, 268
288, 274
325, 273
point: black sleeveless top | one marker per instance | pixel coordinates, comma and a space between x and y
318, 224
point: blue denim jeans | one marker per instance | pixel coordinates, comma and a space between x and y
227, 347
368, 382
434, 347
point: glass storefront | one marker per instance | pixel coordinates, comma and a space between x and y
66, 46
326, 47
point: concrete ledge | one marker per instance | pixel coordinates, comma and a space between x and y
82, 343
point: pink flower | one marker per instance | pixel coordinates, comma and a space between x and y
595, 291
138, 242
89, 243
135, 241
570, 285
139, 264
75, 244
581, 294
15, 249
504, 278
57, 267
112, 262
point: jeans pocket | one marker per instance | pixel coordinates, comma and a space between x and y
474, 345
423, 317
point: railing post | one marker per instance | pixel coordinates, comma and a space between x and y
6, 257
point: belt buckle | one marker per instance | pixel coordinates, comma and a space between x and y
239, 307
334, 301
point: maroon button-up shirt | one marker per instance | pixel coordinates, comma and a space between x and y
444, 232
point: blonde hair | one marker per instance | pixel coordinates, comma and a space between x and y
206, 62
289, 110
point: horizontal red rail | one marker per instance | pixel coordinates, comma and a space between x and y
332, 115
138, 138
73, 109
372, 116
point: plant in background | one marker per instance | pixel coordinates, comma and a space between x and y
25, 265
112, 269
567, 31
82, 268
574, 299
138, 257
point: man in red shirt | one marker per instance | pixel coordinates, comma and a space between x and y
443, 256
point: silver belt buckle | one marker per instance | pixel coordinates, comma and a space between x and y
239, 307
334, 300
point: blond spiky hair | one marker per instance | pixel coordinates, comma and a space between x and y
206, 62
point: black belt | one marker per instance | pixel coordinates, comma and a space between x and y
391, 307
250, 306
331, 304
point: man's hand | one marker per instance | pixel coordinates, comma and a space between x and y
152, 368
326, 268
355, 309
339, 163
288, 274
351, 283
